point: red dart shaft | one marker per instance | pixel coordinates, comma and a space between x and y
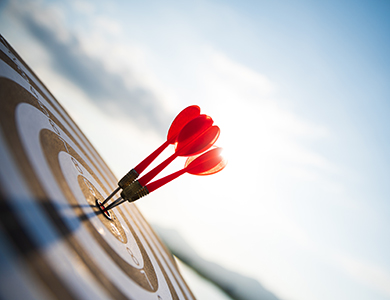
153, 173
159, 183
203, 141
186, 115
147, 161
206, 164
203, 163
183, 118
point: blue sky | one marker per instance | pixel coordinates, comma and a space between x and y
300, 91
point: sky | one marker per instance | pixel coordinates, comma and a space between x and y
300, 90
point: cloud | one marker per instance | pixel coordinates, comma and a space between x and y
252, 84
109, 25
83, 7
119, 93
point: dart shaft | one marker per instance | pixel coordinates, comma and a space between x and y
115, 203
131, 198
147, 161
112, 194
159, 183
153, 173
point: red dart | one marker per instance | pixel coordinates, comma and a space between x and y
211, 171
186, 115
196, 137
207, 163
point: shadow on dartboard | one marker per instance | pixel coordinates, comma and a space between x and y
54, 242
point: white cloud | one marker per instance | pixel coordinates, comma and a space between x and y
108, 25
83, 7
251, 84
112, 73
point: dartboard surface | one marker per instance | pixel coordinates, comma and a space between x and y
54, 241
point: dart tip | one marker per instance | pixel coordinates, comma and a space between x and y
115, 203
103, 209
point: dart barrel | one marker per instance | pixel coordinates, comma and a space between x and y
128, 178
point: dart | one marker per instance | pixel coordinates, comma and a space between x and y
208, 163
196, 137
186, 115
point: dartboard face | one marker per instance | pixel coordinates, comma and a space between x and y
54, 241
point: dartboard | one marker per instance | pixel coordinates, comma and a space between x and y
54, 242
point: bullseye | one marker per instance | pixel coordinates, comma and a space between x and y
102, 208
